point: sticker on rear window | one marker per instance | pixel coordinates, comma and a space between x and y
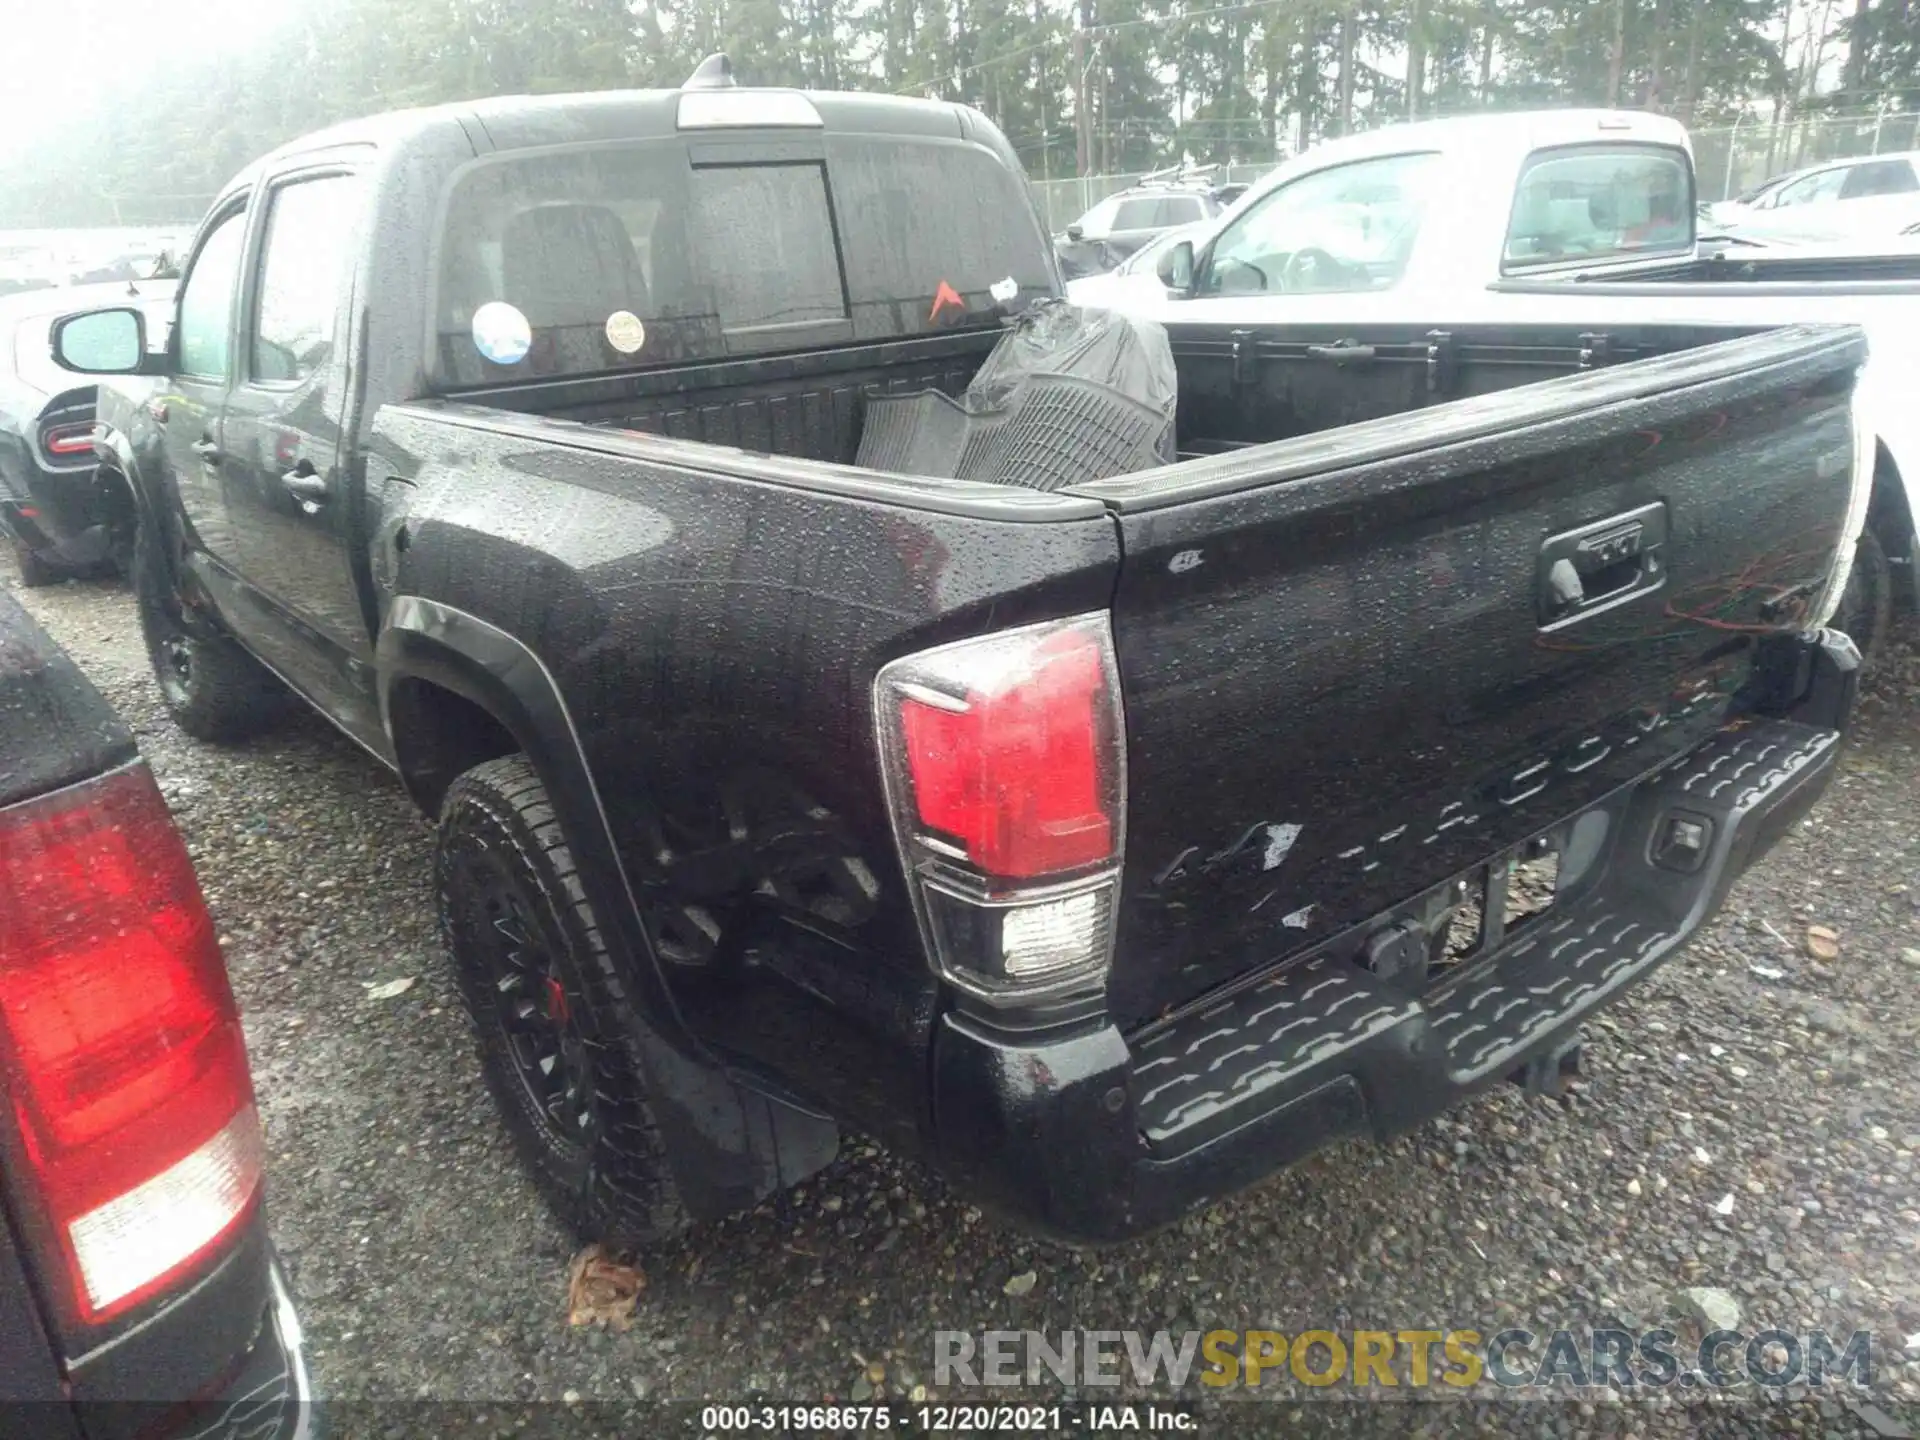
501, 333
1004, 291
626, 332
945, 296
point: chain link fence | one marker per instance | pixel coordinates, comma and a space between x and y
1732, 159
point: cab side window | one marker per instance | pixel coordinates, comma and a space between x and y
1345, 229
206, 301
1812, 190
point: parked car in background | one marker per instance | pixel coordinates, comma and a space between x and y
53, 508
1575, 216
1136, 272
1714, 216
139, 1293
1868, 198
1120, 224
1088, 809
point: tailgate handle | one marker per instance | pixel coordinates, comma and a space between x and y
1600, 565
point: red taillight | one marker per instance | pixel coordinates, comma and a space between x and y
1013, 774
1005, 767
120, 1044
68, 441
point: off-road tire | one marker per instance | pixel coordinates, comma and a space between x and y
516, 918
212, 688
1865, 611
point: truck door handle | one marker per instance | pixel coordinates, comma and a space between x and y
1599, 565
207, 451
309, 488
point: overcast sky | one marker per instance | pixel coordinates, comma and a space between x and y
57, 57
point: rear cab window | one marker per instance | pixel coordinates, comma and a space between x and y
1587, 202
770, 245
597, 259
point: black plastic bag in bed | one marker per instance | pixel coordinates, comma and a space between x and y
1067, 396
1122, 353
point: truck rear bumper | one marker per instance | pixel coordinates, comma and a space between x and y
1096, 1136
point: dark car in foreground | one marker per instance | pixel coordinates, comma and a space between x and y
139, 1294
52, 508
1108, 784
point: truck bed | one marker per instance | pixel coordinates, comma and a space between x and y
1237, 389
1332, 623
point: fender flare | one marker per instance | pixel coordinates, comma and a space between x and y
729, 1144
478, 661
114, 447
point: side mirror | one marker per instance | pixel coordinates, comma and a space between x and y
101, 342
1076, 233
1176, 268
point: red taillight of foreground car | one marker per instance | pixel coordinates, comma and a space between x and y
68, 442
125, 1068
1005, 766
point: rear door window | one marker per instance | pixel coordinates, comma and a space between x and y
1179, 210
310, 226
1586, 202
1878, 177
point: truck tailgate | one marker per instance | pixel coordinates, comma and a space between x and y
1357, 664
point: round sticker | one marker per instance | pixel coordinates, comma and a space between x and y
625, 332
501, 333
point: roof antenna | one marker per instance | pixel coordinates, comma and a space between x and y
713, 73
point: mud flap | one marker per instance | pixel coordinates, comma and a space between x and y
730, 1146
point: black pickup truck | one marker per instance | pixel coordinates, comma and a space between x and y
1110, 843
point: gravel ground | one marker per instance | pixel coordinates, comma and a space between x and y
1746, 1075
